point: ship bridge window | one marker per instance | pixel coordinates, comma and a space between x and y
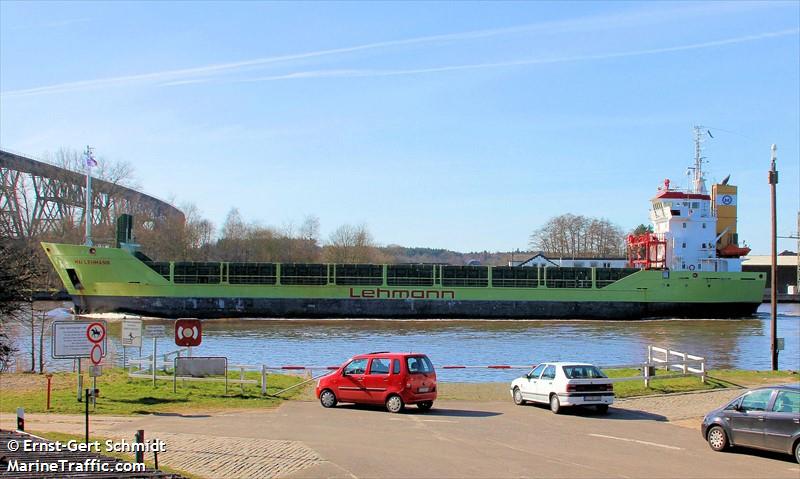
515, 277
409, 275
359, 274
465, 276
675, 212
695, 204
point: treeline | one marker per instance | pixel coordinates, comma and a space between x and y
577, 236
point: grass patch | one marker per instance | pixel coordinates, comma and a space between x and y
122, 395
716, 379
64, 438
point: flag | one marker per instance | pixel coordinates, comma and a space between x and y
88, 157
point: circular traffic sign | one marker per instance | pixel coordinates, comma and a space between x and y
96, 332
96, 355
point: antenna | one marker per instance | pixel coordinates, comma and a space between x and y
699, 181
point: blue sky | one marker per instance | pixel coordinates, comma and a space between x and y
454, 125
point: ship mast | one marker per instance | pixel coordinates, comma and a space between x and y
698, 182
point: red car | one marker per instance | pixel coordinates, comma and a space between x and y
391, 379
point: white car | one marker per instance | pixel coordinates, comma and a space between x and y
564, 384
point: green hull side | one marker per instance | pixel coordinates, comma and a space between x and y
112, 272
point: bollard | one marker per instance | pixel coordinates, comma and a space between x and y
20, 419
49, 379
647, 371
263, 380
139, 439
86, 402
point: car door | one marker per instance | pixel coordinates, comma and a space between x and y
782, 421
376, 381
747, 422
351, 386
545, 384
528, 387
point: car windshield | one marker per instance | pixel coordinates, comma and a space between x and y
583, 372
419, 364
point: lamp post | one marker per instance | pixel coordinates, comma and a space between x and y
773, 181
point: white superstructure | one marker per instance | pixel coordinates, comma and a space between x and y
685, 235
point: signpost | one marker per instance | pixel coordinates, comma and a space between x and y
154, 331
131, 336
79, 339
188, 332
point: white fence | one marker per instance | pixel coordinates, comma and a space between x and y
687, 364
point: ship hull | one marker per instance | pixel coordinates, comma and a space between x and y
103, 280
226, 307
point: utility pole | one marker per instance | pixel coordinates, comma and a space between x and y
773, 181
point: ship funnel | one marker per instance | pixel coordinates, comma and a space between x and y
724, 199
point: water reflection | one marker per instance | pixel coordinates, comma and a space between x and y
741, 343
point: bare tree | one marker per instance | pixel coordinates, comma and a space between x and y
351, 244
20, 270
578, 236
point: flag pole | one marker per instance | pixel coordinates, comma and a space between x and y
88, 158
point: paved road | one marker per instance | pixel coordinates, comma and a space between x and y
455, 439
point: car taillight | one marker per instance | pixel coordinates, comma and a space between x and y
609, 387
572, 388
408, 385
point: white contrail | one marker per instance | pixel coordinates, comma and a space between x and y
511, 63
203, 73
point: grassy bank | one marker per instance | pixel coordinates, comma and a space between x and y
721, 378
120, 394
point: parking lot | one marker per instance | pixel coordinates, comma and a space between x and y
455, 439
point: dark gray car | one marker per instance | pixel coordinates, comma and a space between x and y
764, 418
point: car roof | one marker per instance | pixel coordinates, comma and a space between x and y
385, 354
566, 363
792, 386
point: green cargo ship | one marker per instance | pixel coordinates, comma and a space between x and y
688, 267
116, 280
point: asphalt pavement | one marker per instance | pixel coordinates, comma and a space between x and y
300, 439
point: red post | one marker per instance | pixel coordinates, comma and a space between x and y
49, 378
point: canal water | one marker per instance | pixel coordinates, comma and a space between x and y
738, 343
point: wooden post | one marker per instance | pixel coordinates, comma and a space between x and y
263, 379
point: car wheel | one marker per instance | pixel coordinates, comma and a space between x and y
425, 405
717, 438
797, 452
555, 404
394, 403
602, 408
327, 398
518, 397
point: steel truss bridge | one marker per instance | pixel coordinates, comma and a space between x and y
37, 199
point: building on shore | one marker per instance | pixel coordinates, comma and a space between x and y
787, 271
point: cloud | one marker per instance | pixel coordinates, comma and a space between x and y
207, 72
522, 62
